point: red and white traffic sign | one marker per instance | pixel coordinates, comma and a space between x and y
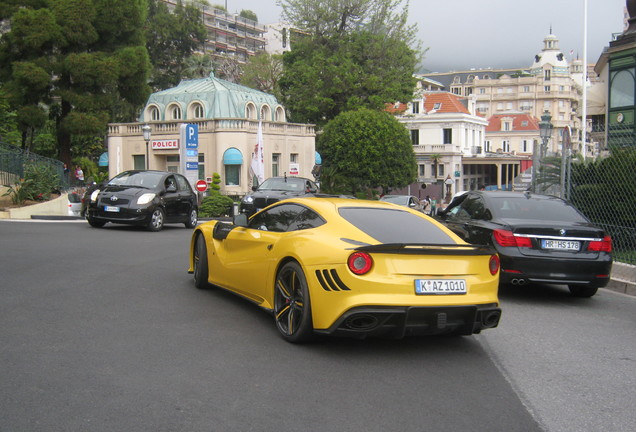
201, 185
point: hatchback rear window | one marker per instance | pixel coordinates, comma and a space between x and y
395, 226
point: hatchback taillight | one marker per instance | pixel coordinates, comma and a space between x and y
360, 262
604, 245
507, 238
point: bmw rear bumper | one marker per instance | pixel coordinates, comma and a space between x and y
519, 270
398, 322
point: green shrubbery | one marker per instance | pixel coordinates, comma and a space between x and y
216, 204
40, 180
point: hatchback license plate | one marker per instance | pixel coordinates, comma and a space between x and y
440, 286
561, 245
111, 209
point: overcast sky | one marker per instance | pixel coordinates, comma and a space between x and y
464, 34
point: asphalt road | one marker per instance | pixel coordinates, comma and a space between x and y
103, 330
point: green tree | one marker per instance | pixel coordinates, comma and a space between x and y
326, 19
246, 13
198, 66
323, 77
262, 72
171, 38
82, 60
368, 148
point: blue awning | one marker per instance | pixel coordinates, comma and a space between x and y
232, 156
103, 159
318, 159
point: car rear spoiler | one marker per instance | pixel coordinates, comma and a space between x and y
428, 249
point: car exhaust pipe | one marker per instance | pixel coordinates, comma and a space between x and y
518, 281
490, 319
362, 322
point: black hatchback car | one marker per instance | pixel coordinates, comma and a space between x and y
147, 198
539, 238
275, 189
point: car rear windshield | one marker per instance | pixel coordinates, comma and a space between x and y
528, 208
395, 226
145, 179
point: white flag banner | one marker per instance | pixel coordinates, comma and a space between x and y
258, 163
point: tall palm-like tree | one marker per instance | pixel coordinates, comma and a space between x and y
436, 158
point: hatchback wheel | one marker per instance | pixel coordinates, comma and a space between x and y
292, 307
192, 220
156, 220
94, 223
582, 290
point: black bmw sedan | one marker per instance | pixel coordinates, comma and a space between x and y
147, 198
539, 238
275, 189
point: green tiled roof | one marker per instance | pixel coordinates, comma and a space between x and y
220, 98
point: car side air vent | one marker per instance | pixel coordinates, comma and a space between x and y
330, 281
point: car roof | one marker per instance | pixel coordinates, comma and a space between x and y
330, 205
508, 194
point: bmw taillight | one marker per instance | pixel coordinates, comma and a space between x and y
360, 262
604, 245
507, 238
493, 264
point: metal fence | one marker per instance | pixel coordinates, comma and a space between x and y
14, 160
602, 187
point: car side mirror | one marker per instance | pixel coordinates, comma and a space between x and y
254, 188
222, 230
240, 220
171, 188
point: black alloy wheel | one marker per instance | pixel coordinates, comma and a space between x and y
200, 258
292, 307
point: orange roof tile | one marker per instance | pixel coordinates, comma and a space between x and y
520, 122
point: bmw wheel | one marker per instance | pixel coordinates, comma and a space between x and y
192, 219
582, 290
200, 257
156, 220
292, 307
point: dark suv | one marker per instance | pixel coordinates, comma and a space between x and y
147, 198
275, 189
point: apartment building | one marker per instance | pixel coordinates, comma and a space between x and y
551, 83
229, 35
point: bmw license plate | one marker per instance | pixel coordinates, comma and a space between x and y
111, 208
440, 286
561, 245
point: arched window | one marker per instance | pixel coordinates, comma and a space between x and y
232, 161
250, 111
154, 113
280, 114
622, 88
174, 112
266, 113
197, 111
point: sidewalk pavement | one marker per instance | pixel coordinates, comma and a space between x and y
623, 278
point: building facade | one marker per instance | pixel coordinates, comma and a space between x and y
550, 84
447, 137
228, 117
229, 35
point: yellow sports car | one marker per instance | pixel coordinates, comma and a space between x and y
350, 267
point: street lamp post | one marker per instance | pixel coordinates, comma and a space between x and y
146, 129
545, 132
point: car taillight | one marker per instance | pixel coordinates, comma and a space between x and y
604, 245
493, 264
360, 262
508, 239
